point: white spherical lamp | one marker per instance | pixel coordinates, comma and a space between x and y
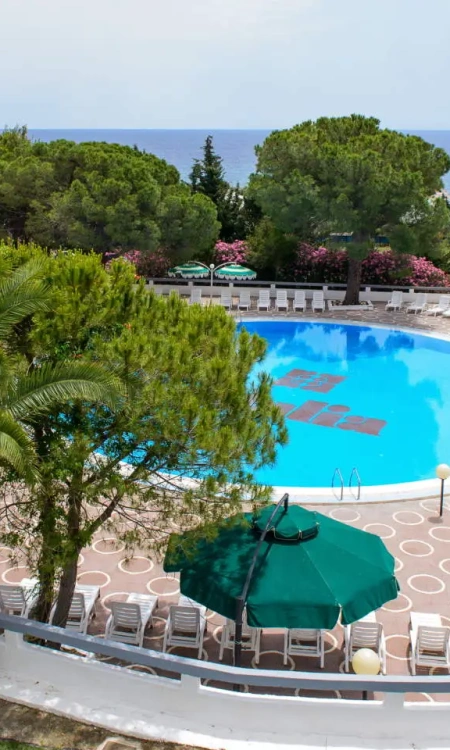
443, 471
366, 661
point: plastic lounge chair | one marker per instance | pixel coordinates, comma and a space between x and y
264, 300
365, 633
299, 300
281, 302
196, 296
185, 628
226, 300
429, 641
395, 302
418, 305
82, 608
443, 306
245, 301
318, 301
128, 620
251, 638
304, 642
18, 599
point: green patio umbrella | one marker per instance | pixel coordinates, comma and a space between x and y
235, 272
310, 569
189, 271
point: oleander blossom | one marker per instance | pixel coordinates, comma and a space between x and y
318, 264
230, 252
149, 264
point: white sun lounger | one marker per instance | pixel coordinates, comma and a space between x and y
299, 300
19, 599
128, 620
365, 633
318, 302
304, 642
429, 641
245, 301
226, 300
395, 302
418, 305
281, 302
185, 628
264, 302
82, 608
196, 296
442, 308
251, 638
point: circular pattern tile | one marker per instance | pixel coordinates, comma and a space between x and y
399, 565
409, 517
278, 653
4, 556
373, 528
136, 566
108, 546
141, 668
426, 586
393, 604
94, 578
163, 586
347, 515
432, 506
444, 564
150, 630
438, 535
329, 647
15, 574
117, 596
390, 638
416, 548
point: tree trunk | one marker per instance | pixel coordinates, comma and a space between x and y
353, 282
46, 566
65, 593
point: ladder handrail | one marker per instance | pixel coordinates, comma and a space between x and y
355, 473
341, 480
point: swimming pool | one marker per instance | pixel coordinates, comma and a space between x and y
373, 398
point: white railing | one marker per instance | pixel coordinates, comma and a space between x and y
187, 710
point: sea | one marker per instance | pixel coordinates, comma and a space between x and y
181, 147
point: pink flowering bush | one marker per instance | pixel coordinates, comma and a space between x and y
155, 264
322, 265
230, 252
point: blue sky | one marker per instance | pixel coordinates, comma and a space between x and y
223, 63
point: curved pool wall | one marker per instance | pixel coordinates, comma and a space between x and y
372, 397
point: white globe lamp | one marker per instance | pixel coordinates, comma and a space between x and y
366, 661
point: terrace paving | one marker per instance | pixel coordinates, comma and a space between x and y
412, 531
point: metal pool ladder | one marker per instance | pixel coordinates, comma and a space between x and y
354, 475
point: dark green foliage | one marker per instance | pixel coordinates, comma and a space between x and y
99, 196
346, 174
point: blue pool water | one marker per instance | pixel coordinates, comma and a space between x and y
355, 396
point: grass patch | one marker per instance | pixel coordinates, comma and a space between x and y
12, 745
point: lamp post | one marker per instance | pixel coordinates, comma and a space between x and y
211, 270
443, 473
366, 661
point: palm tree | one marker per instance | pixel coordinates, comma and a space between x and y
26, 393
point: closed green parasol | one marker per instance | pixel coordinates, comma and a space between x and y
310, 570
235, 272
189, 271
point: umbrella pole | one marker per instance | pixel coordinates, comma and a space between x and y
242, 599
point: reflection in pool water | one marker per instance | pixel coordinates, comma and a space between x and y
356, 396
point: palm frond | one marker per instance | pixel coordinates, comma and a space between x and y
50, 385
22, 293
16, 448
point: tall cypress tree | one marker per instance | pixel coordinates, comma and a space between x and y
208, 176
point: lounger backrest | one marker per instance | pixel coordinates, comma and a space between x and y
126, 615
184, 620
12, 598
420, 299
432, 641
77, 608
264, 295
444, 300
304, 634
244, 297
366, 634
225, 296
318, 296
300, 296
196, 294
396, 297
281, 295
